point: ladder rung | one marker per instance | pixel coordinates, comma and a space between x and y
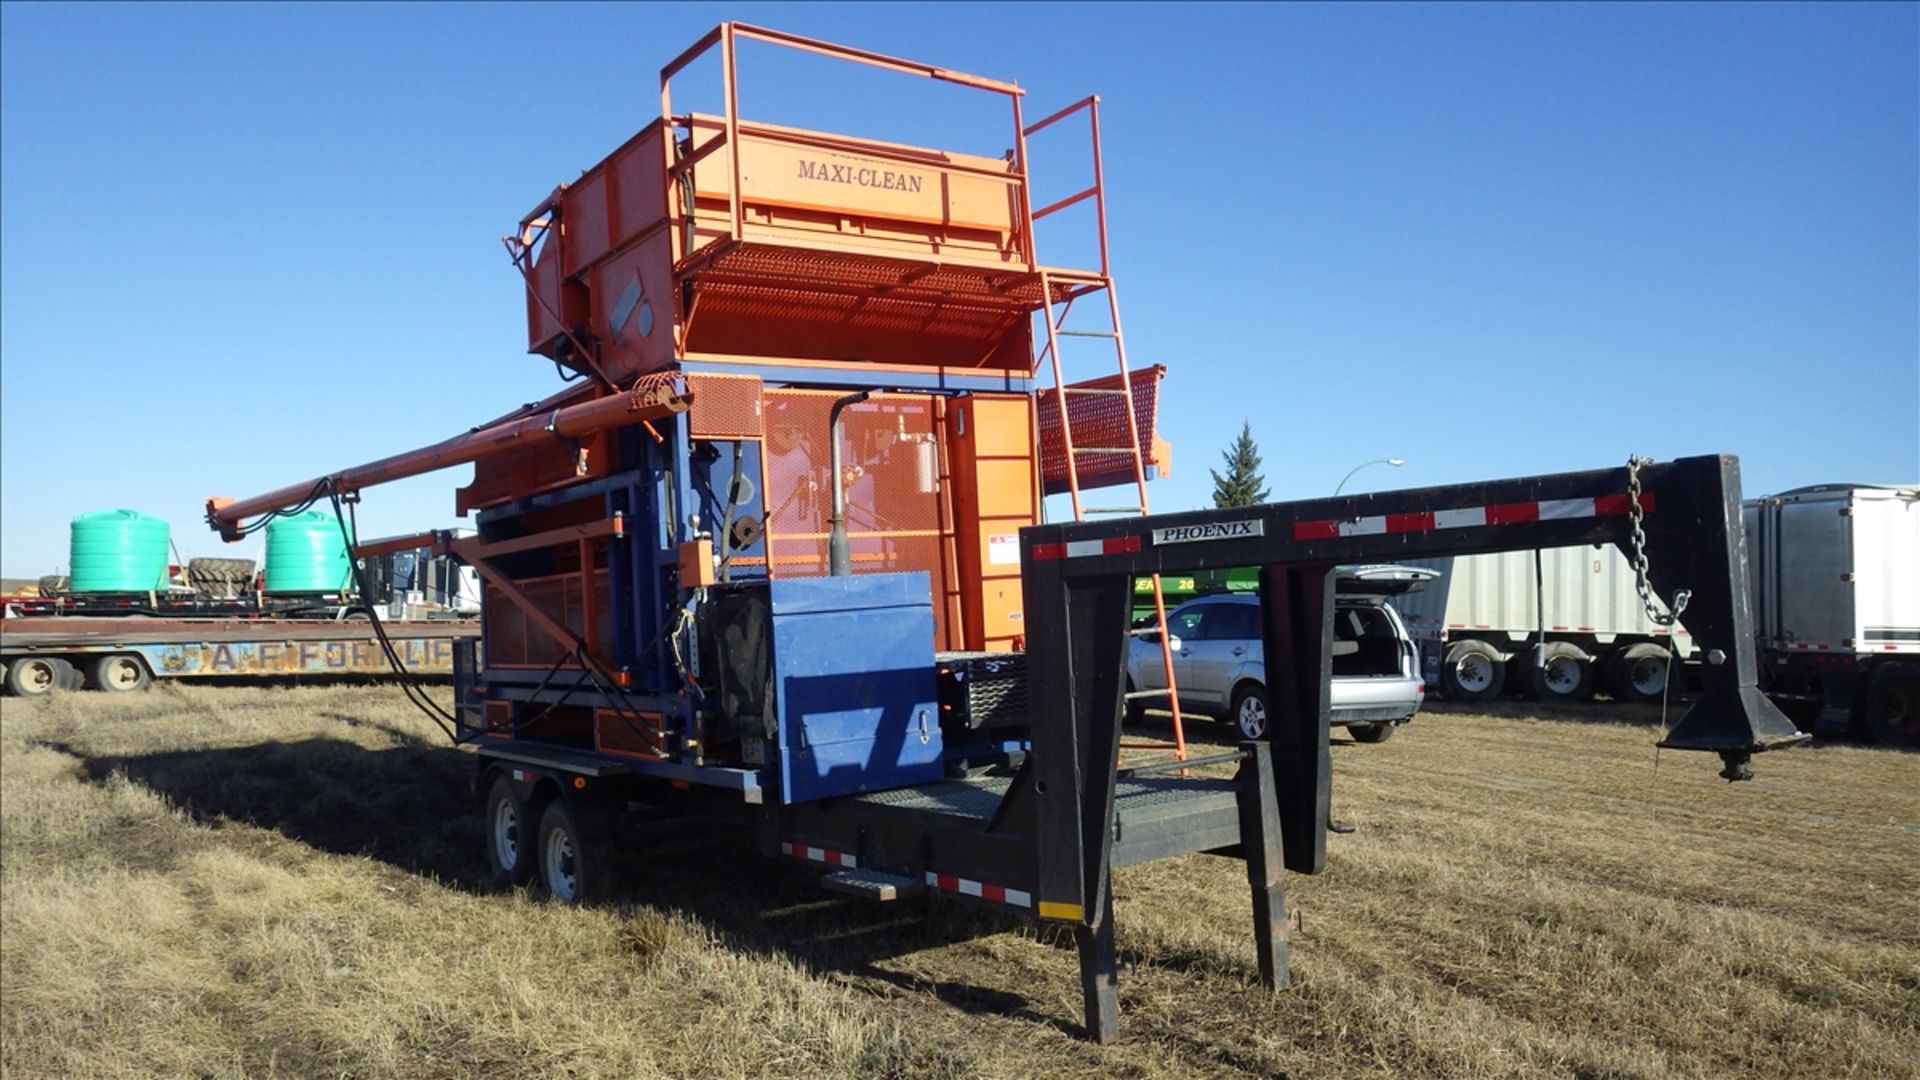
1147, 694
1114, 510
1144, 631
1085, 333
1103, 450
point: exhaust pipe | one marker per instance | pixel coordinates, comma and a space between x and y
839, 559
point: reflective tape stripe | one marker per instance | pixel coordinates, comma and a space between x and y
1471, 517
960, 886
821, 855
1074, 549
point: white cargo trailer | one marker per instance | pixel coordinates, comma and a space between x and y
1480, 627
1835, 574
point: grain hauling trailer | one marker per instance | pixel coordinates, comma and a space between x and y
776, 559
1481, 625
1835, 578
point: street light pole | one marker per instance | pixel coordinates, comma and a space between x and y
1393, 461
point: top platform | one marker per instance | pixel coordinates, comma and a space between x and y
711, 235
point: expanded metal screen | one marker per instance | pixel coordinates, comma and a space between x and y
890, 464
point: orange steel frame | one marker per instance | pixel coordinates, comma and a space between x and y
606, 405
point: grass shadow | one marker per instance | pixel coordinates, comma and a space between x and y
410, 805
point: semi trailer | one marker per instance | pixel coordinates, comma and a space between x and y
776, 557
230, 626
1553, 625
1835, 580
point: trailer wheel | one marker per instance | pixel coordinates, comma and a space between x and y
1563, 673
38, 676
1372, 733
510, 857
118, 673
1472, 672
1250, 711
575, 868
1640, 673
1893, 705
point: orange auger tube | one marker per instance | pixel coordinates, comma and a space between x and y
643, 403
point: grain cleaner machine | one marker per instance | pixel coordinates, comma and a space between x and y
777, 557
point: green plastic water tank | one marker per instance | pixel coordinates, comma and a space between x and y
118, 551
307, 554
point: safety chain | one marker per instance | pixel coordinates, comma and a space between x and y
1635, 514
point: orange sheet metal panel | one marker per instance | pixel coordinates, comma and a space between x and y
991, 443
963, 206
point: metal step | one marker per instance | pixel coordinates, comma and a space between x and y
873, 884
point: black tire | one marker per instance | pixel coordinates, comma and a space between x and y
1249, 713
1564, 676
53, 585
221, 577
1372, 733
509, 838
1893, 705
38, 676
118, 673
1640, 673
1472, 672
575, 864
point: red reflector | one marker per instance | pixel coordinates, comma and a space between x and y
1513, 513
1316, 530
1120, 545
1049, 551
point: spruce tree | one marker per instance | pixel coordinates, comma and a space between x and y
1243, 485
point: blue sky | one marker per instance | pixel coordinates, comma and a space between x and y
241, 246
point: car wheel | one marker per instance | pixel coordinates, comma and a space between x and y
1893, 704
575, 868
1250, 712
1640, 673
510, 856
1560, 673
1472, 672
1372, 733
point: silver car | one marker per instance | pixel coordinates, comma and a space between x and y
1218, 666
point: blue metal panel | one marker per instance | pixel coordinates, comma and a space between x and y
854, 684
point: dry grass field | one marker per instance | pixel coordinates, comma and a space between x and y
266, 881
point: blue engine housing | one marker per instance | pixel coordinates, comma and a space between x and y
845, 668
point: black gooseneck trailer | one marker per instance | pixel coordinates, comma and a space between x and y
1041, 835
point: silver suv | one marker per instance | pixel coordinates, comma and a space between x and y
1218, 666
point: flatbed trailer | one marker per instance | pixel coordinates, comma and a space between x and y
40, 654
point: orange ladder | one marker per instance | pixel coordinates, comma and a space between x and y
1060, 289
